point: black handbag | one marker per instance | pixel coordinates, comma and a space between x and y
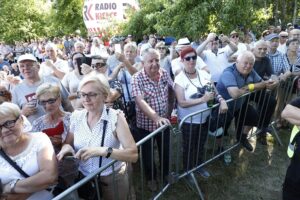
130, 111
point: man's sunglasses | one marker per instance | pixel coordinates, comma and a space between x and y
188, 58
234, 36
98, 65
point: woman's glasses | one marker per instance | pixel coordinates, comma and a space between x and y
188, 58
88, 95
49, 101
234, 36
161, 48
9, 124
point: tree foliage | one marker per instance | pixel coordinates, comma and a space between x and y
194, 18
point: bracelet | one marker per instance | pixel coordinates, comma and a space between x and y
251, 87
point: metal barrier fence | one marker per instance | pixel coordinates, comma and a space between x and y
184, 150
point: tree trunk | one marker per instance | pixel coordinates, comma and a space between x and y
295, 12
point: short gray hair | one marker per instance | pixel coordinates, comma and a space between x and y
47, 87
100, 81
7, 109
51, 45
149, 51
247, 54
131, 45
78, 43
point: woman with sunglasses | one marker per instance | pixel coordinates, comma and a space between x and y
31, 152
165, 59
190, 89
99, 66
99, 134
55, 123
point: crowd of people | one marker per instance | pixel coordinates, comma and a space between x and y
72, 105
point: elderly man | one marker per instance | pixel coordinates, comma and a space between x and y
216, 58
279, 62
54, 65
283, 37
154, 103
236, 81
24, 94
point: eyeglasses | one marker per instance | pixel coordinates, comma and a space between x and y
88, 95
9, 124
49, 101
98, 65
283, 36
188, 58
234, 36
161, 48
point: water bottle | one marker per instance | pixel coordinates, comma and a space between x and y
210, 88
227, 158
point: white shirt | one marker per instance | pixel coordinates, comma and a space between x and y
217, 63
85, 137
177, 64
61, 65
282, 48
189, 89
28, 162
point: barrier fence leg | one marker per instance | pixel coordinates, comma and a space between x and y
196, 185
276, 134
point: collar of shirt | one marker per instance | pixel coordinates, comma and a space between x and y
274, 54
104, 115
157, 77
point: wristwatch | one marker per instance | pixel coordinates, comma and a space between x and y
109, 150
12, 185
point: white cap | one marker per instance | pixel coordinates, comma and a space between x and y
27, 57
184, 41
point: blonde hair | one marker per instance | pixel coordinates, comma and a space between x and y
7, 109
47, 87
131, 45
100, 81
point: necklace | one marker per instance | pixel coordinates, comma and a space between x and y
191, 80
190, 73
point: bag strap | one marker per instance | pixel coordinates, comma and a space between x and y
103, 136
13, 164
127, 89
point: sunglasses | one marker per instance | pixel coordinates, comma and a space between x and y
49, 101
284, 36
188, 58
9, 124
234, 36
98, 65
161, 48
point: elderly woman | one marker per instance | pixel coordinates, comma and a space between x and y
165, 59
293, 56
98, 49
190, 89
55, 123
31, 152
98, 135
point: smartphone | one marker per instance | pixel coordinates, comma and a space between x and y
118, 48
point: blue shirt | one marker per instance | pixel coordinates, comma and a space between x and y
231, 77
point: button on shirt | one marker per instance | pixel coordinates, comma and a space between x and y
154, 93
86, 137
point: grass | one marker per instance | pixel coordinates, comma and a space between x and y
253, 176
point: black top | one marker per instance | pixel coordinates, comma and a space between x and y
264, 68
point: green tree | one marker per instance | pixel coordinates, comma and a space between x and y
22, 20
66, 17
